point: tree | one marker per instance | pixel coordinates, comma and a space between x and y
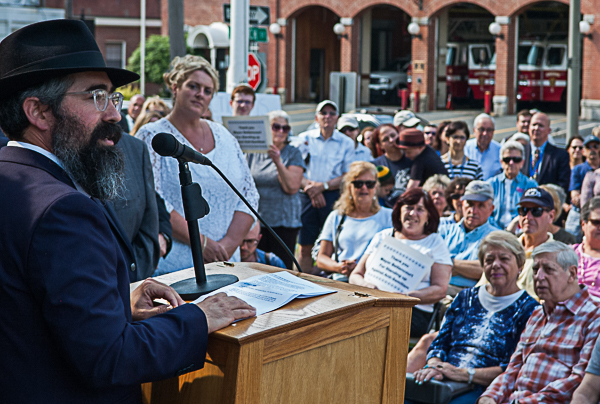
157, 59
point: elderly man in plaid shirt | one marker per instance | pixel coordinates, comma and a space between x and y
556, 345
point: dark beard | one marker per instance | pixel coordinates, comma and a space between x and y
97, 169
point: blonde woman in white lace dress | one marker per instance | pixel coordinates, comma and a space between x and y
193, 82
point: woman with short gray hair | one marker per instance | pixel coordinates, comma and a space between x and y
510, 185
483, 325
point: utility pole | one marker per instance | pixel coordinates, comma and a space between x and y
574, 69
238, 48
176, 36
143, 47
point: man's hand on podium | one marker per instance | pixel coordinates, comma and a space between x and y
142, 299
222, 310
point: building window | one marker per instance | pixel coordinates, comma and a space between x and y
115, 54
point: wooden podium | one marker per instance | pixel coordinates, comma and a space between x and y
346, 347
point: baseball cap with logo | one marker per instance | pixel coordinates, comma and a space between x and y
538, 196
406, 118
322, 105
347, 121
479, 191
590, 139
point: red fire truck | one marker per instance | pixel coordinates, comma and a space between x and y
482, 70
457, 70
542, 71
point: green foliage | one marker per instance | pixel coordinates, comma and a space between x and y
157, 58
129, 91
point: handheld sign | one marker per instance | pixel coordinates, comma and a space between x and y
253, 133
397, 267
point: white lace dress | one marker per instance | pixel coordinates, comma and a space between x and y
228, 157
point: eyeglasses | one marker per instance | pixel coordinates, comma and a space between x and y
330, 113
594, 222
577, 147
101, 98
251, 242
593, 146
488, 130
462, 138
284, 128
507, 160
536, 212
359, 184
429, 132
243, 102
456, 196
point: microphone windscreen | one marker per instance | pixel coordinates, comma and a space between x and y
164, 144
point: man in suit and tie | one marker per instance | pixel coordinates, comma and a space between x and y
69, 322
544, 162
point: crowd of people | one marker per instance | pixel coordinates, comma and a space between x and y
512, 228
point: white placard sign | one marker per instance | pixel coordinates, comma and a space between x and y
397, 267
253, 133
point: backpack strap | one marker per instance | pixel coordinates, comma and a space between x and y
336, 241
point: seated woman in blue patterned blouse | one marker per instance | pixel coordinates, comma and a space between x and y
483, 325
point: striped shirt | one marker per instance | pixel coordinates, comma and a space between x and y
552, 354
468, 169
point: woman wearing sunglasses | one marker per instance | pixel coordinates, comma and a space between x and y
356, 217
575, 149
455, 190
277, 176
415, 223
510, 184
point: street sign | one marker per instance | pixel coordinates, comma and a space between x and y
258, 34
253, 71
259, 15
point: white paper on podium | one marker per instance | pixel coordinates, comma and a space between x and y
397, 267
270, 291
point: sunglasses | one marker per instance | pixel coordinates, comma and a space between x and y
330, 113
507, 160
359, 184
284, 128
593, 146
594, 222
535, 212
429, 132
577, 147
456, 196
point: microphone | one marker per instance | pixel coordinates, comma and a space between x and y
166, 145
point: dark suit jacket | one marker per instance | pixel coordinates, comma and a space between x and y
66, 332
137, 209
555, 167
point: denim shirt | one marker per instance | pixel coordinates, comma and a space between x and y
464, 246
518, 187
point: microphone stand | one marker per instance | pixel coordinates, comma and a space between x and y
196, 207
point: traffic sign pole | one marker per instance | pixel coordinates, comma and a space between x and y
238, 51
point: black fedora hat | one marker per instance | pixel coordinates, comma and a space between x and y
37, 52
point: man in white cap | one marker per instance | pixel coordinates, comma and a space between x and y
328, 154
406, 119
348, 125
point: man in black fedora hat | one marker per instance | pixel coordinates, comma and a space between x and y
69, 331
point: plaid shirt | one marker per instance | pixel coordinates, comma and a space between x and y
551, 356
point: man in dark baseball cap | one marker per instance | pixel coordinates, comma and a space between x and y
536, 214
68, 321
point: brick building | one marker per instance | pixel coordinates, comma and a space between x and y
376, 34
116, 23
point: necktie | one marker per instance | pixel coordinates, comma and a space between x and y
536, 157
